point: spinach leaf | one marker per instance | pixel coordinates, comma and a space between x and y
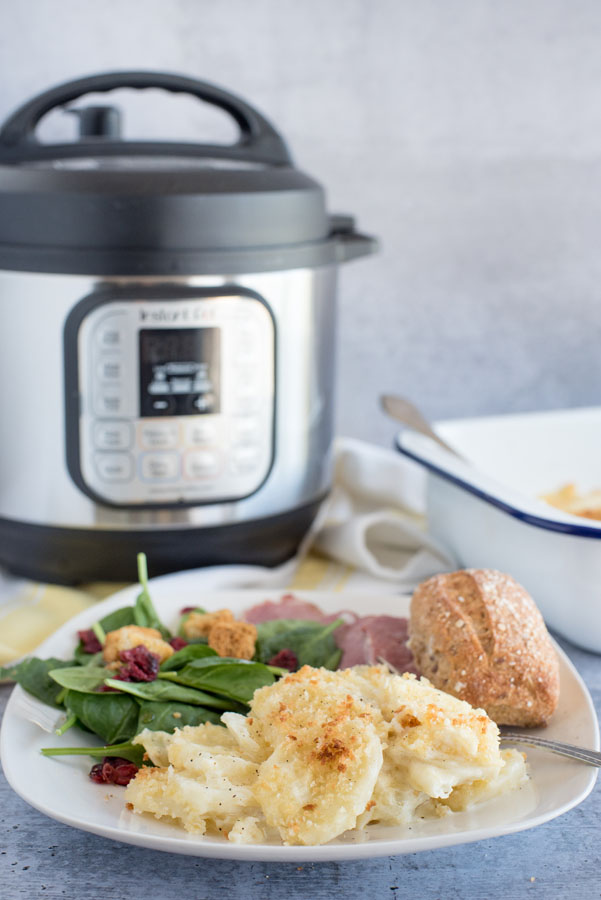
144, 612
85, 679
313, 643
33, 675
267, 630
141, 617
100, 633
181, 657
118, 619
169, 716
69, 722
113, 717
333, 661
269, 634
167, 691
210, 661
87, 659
231, 678
126, 750
141, 613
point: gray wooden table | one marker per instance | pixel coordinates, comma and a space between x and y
42, 858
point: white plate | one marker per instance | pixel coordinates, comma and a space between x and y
60, 788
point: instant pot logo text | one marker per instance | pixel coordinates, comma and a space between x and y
183, 315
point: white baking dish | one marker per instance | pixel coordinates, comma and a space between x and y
489, 514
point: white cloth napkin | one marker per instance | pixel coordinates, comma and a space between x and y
375, 518
369, 535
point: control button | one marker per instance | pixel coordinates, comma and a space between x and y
159, 466
109, 335
112, 435
109, 402
200, 433
246, 432
110, 369
244, 459
201, 464
114, 466
158, 435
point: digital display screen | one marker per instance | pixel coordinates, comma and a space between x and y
180, 371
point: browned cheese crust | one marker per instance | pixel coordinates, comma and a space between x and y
478, 635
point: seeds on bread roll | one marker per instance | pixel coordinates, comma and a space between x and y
478, 635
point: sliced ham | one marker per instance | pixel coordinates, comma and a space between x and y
362, 639
374, 637
291, 607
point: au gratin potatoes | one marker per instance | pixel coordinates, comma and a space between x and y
322, 752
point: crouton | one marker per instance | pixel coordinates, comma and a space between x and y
199, 624
131, 636
223, 633
233, 639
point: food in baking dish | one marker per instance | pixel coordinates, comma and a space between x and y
569, 499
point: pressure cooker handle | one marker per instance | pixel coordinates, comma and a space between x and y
350, 244
258, 141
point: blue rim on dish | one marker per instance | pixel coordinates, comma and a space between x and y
576, 529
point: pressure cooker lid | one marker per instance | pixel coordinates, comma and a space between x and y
106, 206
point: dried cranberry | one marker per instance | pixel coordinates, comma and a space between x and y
107, 689
178, 643
113, 770
140, 664
96, 773
187, 609
285, 659
89, 641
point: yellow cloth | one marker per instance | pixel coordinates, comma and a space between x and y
39, 610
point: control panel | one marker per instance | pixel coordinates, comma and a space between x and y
175, 397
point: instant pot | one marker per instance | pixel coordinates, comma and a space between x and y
167, 317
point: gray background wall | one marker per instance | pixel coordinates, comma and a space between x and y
465, 133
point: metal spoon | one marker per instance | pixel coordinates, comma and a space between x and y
408, 414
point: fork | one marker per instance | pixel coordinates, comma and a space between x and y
35, 711
582, 754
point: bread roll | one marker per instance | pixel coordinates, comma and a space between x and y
478, 635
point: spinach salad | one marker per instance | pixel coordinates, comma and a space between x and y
116, 701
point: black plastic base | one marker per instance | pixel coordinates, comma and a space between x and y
76, 555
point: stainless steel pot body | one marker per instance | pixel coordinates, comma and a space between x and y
295, 353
